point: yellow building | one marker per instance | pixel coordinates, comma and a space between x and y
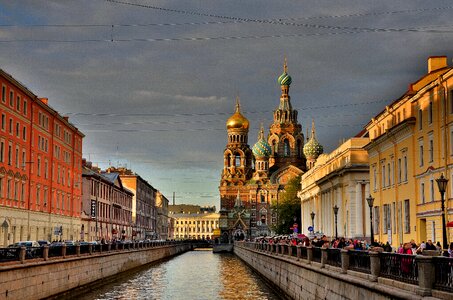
338, 179
195, 225
411, 145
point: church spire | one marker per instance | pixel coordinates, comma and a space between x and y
238, 201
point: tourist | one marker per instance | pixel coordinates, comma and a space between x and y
450, 250
430, 245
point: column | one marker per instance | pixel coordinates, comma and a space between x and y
358, 210
341, 213
366, 217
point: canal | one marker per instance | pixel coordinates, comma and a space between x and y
196, 274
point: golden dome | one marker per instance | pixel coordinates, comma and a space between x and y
237, 120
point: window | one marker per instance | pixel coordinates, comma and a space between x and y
23, 159
405, 167
2, 150
18, 103
46, 171
237, 160
422, 193
24, 133
38, 193
383, 176
286, 148
420, 158
17, 129
17, 157
431, 186
399, 171
375, 178
25, 107
39, 166
1, 187
11, 98
8, 188
3, 93
22, 192
3, 122
45, 197
407, 216
10, 154
420, 119
430, 113
431, 149
11, 126
389, 174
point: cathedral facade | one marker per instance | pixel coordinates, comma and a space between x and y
253, 178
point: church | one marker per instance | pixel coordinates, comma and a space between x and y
252, 179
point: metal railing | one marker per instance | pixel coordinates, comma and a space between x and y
9, 254
359, 261
59, 250
443, 267
334, 257
401, 267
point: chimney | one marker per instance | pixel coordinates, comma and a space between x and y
436, 62
66, 118
44, 100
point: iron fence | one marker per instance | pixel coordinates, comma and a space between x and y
359, 261
303, 252
9, 254
401, 267
334, 257
443, 267
316, 254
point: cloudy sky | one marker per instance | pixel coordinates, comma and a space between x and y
151, 83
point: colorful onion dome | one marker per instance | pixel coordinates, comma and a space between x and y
237, 120
262, 147
284, 79
312, 149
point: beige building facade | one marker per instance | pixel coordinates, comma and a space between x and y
195, 226
337, 179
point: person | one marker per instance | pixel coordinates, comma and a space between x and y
387, 247
430, 245
421, 248
406, 262
450, 250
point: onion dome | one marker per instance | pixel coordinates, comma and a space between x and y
284, 79
262, 147
312, 149
237, 120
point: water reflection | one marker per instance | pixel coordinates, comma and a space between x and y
192, 275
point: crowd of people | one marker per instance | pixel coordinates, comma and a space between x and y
411, 247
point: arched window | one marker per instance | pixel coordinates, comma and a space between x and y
228, 160
237, 160
286, 148
274, 148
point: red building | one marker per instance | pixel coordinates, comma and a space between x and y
40, 168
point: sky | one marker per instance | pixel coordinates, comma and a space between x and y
152, 83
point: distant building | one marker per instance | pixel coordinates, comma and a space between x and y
195, 225
256, 176
106, 206
411, 145
40, 168
163, 218
144, 212
190, 208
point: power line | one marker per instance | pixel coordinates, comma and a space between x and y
212, 114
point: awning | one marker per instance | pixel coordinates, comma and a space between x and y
450, 224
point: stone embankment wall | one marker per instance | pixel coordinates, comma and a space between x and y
41, 279
304, 280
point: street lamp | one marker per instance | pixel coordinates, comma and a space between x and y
313, 220
335, 211
442, 184
370, 201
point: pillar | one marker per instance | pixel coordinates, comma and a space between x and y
358, 210
375, 265
425, 274
344, 261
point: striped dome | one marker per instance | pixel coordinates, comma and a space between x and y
284, 79
262, 147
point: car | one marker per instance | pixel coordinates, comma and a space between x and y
27, 244
43, 243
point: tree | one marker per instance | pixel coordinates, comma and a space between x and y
287, 207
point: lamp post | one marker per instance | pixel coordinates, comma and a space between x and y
335, 211
370, 201
313, 220
442, 184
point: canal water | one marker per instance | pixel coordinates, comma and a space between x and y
196, 275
